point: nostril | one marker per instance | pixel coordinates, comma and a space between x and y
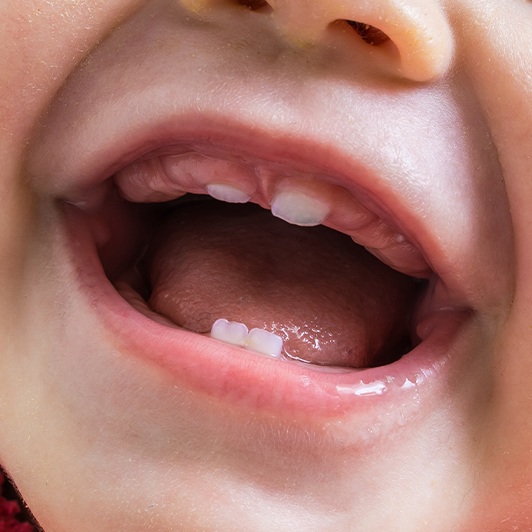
368, 33
414, 39
254, 5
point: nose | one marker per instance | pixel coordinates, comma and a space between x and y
418, 28
412, 38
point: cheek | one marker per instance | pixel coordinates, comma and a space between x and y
37, 41
39, 45
504, 506
496, 48
44, 41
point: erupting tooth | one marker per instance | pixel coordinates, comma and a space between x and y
264, 342
299, 209
227, 193
231, 332
91, 201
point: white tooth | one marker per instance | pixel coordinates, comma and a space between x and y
231, 332
299, 209
264, 342
227, 193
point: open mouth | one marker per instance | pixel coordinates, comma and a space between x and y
298, 254
265, 278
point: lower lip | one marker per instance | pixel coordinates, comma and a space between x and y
236, 376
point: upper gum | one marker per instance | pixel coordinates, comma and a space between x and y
200, 166
169, 176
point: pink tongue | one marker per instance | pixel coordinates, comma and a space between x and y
330, 300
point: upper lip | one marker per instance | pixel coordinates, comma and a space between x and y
375, 188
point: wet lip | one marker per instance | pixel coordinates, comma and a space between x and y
222, 371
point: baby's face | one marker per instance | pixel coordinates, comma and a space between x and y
348, 389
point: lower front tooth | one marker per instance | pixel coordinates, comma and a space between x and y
264, 342
258, 340
299, 209
231, 332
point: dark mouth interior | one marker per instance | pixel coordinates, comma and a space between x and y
368, 327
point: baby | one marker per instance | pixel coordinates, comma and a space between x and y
266, 265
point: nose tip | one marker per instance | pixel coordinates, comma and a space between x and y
419, 30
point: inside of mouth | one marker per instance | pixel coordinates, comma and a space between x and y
196, 261
273, 257
329, 301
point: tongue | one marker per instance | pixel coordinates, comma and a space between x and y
330, 301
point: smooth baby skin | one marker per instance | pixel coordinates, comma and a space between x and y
444, 123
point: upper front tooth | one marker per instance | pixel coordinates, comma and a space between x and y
299, 209
227, 193
231, 332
